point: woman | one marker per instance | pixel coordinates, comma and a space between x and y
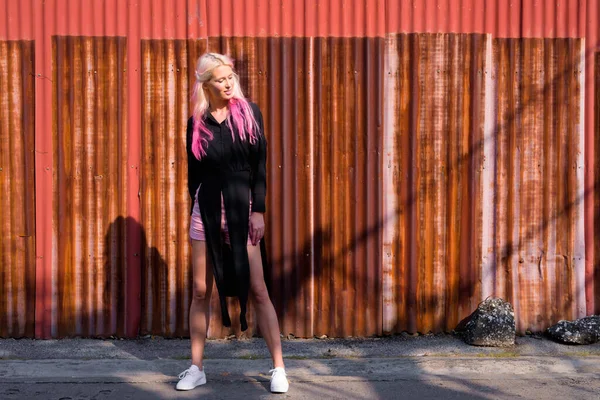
226, 150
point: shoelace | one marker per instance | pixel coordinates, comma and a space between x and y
184, 373
275, 370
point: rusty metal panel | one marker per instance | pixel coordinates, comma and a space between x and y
595, 275
167, 80
323, 249
592, 130
17, 245
166, 271
90, 146
539, 242
267, 66
257, 73
347, 135
435, 86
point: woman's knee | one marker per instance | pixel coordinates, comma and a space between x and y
201, 292
260, 293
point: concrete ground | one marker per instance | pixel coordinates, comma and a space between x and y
398, 367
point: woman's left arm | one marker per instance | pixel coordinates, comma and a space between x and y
259, 181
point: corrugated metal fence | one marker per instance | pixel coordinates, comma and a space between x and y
17, 246
415, 167
90, 148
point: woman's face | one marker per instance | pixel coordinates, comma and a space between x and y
220, 85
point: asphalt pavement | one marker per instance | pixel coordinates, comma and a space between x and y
397, 367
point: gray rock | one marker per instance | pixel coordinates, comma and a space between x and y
582, 331
492, 324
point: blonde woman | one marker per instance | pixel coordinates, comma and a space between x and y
227, 156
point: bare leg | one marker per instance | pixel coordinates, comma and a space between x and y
199, 310
265, 312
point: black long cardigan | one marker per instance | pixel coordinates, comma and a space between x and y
237, 169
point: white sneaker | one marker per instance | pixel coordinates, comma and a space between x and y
190, 378
279, 382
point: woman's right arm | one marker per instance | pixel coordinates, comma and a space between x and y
193, 176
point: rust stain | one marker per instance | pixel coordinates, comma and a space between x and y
17, 254
538, 204
348, 221
436, 131
596, 266
90, 186
166, 278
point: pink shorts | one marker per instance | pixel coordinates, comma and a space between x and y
197, 227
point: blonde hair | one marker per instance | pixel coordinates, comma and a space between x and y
240, 119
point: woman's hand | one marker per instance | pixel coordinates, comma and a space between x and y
256, 228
